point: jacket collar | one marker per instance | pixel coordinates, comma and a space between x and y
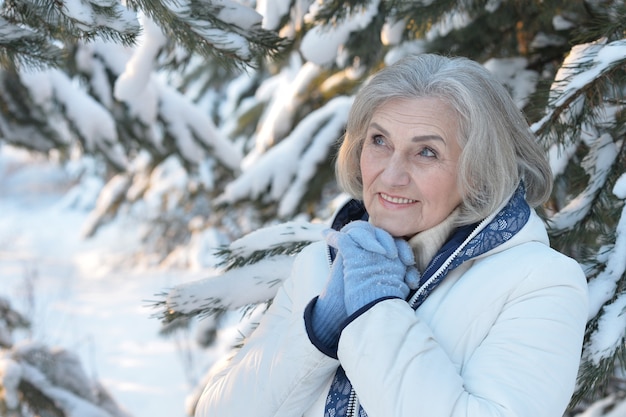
472, 241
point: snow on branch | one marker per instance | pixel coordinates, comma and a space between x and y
10, 320
67, 21
602, 287
111, 195
285, 92
584, 65
285, 238
108, 18
322, 43
286, 168
255, 266
222, 29
153, 101
597, 164
24, 47
607, 333
52, 381
92, 122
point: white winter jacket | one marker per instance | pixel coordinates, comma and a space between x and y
500, 336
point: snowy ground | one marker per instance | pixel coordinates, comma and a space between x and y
80, 298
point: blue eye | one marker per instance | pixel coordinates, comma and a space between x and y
428, 153
378, 140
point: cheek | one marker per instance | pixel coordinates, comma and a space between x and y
452, 194
366, 170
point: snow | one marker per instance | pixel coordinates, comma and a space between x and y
285, 90
322, 43
237, 14
286, 168
391, 33
10, 375
607, 338
132, 86
272, 12
597, 164
584, 64
94, 123
83, 15
620, 187
512, 73
90, 296
560, 22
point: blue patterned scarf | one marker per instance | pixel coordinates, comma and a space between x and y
502, 227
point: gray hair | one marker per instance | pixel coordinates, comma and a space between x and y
498, 148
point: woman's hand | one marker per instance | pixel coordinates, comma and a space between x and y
375, 264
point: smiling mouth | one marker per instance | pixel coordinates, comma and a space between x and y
396, 200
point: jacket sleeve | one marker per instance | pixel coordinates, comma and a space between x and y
524, 364
277, 372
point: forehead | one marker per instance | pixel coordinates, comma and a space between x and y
432, 115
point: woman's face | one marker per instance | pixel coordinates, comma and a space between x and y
409, 165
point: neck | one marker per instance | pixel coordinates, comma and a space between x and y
426, 243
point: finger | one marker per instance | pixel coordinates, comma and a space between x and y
363, 235
387, 242
412, 278
338, 239
405, 252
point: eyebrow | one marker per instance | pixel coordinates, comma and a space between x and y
421, 138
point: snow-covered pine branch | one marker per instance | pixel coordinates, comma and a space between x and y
283, 93
602, 287
607, 334
219, 29
10, 320
582, 71
323, 43
43, 25
38, 380
21, 47
186, 129
91, 122
583, 118
597, 164
106, 19
282, 173
254, 267
51, 382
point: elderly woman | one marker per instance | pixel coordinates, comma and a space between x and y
436, 292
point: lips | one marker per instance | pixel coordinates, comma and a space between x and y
396, 200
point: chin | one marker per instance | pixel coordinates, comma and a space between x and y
393, 228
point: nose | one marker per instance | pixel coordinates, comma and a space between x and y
396, 173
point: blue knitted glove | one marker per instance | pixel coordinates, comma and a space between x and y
329, 312
406, 255
374, 264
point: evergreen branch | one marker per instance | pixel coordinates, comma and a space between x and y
207, 29
421, 16
594, 378
242, 287
37, 400
22, 48
565, 94
234, 259
597, 165
58, 21
336, 11
175, 319
609, 23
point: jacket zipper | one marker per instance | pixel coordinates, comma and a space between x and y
353, 404
448, 261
